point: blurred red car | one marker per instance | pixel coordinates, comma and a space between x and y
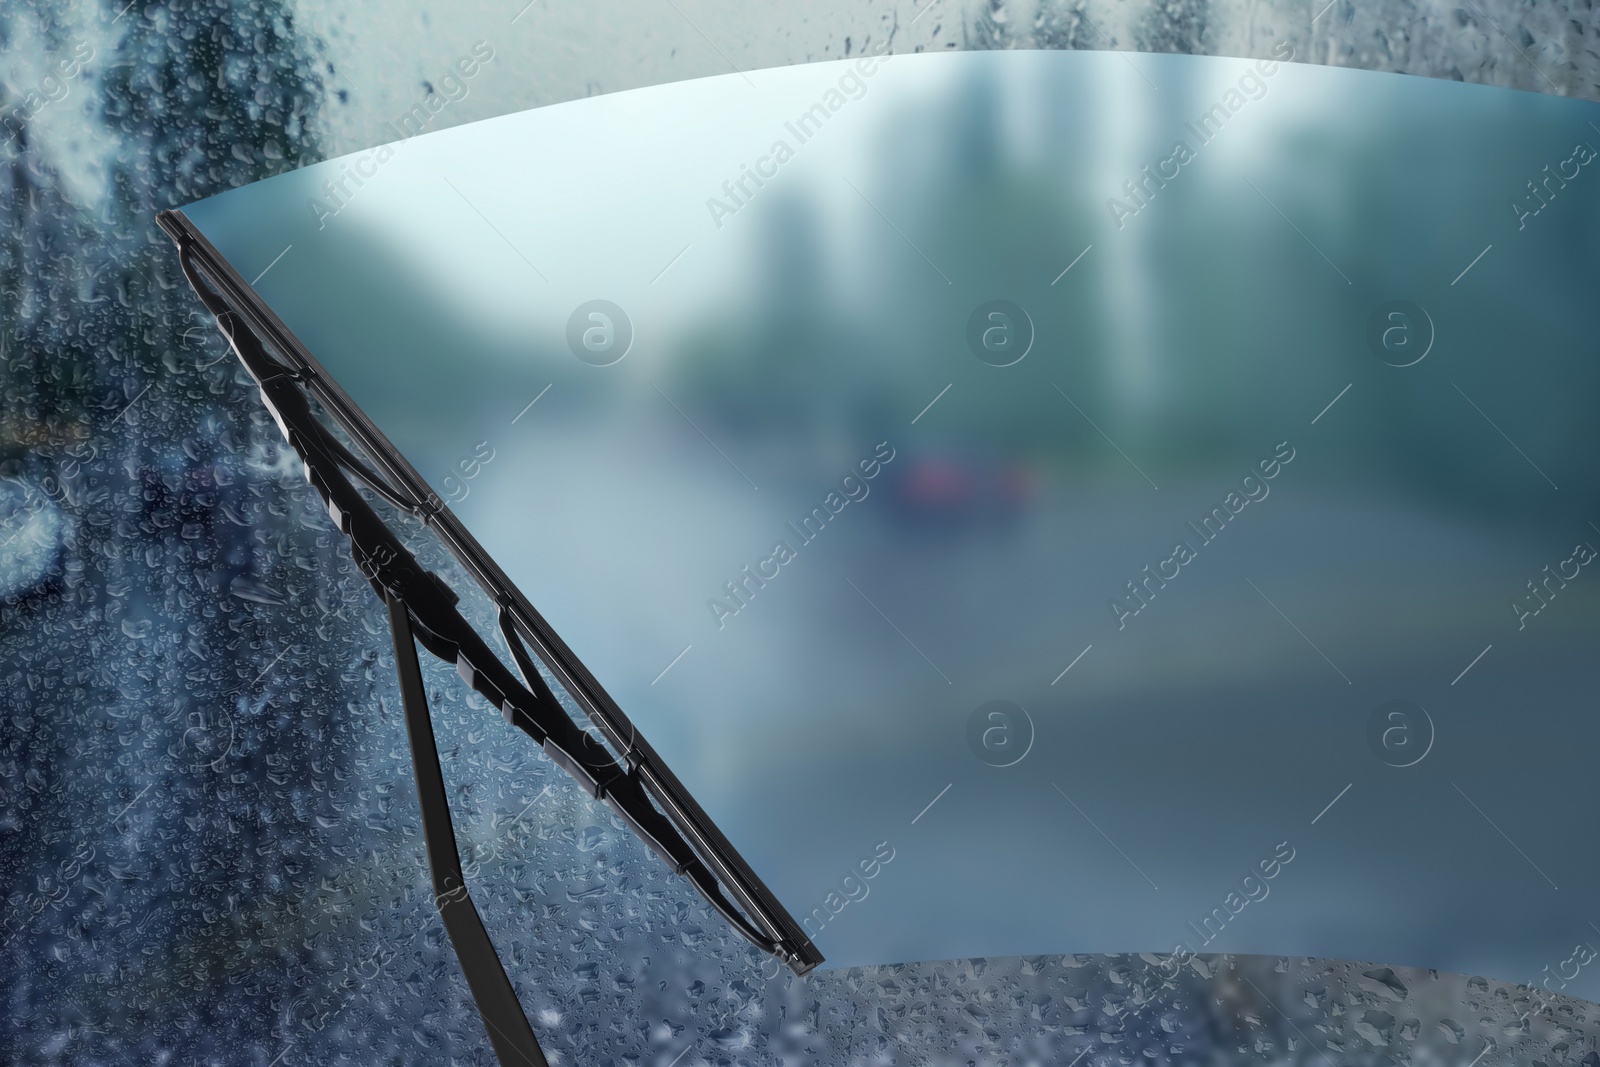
947, 487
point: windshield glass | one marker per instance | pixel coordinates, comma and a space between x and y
1094, 584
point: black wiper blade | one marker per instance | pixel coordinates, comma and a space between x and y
630, 788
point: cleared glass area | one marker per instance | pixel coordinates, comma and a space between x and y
1038, 502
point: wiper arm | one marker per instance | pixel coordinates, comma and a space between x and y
509, 1030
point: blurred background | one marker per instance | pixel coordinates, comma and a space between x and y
208, 837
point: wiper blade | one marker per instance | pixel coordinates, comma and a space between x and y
630, 788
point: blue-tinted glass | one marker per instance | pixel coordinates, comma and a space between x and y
1037, 502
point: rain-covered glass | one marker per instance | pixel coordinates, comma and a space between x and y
209, 841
